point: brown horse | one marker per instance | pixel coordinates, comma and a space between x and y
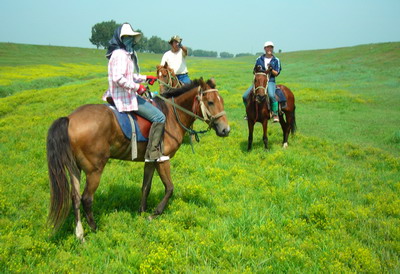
258, 109
89, 136
167, 78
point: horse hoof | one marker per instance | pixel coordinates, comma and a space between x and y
93, 226
79, 232
285, 145
152, 217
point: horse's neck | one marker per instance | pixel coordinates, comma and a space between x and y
186, 101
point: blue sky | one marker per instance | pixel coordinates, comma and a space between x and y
219, 25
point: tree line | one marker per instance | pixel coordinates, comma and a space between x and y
103, 32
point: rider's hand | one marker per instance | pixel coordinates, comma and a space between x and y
141, 90
151, 79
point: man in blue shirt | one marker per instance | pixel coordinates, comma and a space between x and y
268, 61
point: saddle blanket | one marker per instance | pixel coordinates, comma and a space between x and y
142, 132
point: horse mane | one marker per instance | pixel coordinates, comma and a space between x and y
175, 93
179, 91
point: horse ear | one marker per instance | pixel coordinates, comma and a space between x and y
166, 65
211, 83
257, 68
203, 84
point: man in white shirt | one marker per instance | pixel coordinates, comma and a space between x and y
176, 59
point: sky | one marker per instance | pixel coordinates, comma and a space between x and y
218, 25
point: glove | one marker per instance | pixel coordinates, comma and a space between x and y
141, 90
151, 79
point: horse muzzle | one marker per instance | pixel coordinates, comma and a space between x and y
260, 98
221, 129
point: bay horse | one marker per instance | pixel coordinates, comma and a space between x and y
258, 109
89, 136
167, 78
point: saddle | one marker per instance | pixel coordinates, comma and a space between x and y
142, 126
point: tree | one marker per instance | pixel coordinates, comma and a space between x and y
226, 55
156, 45
102, 33
243, 54
190, 51
142, 45
204, 53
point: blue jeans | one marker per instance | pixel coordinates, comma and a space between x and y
184, 78
149, 112
271, 93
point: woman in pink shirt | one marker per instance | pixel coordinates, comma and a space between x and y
125, 88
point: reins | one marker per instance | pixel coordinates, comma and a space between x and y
169, 84
207, 116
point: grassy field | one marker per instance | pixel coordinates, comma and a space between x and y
328, 203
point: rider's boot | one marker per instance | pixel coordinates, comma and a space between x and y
155, 146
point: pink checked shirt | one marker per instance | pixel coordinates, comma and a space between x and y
122, 81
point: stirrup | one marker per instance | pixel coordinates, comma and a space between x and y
161, 159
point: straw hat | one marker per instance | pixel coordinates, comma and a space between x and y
126, 30
175, 38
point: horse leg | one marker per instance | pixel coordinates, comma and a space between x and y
76, 200
147, 179
92, 182
265, 136
250, 125
163, 170
285, 128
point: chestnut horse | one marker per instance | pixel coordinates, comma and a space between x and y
89, 136
167, 78
258, 110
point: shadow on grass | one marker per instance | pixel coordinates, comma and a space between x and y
117, 198
256, 145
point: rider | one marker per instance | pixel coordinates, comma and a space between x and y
271, 63
176, 59
124, 80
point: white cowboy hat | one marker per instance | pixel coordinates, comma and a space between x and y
127, 30
268, 43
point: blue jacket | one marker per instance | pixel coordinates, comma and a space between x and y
275, 63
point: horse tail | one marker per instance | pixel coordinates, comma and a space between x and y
293, 128
59, 160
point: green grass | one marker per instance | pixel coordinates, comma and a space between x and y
329, 203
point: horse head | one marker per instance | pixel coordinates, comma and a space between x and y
167, 78
210, 106
260, 84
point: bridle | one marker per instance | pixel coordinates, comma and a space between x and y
260, 98
260, 87
170, 81
207, 116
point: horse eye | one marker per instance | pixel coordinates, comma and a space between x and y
210, 103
